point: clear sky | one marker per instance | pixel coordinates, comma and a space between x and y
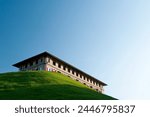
108, 39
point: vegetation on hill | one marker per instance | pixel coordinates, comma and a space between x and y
42, 85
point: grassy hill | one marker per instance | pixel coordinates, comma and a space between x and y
46, 86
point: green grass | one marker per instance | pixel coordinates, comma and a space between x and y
42, 85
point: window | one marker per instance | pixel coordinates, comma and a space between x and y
84, 77
36, 61
68, 70
77, 74
73, 72
59, 65
64, 68
80, 76
54, 63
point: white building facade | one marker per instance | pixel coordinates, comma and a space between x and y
48, 62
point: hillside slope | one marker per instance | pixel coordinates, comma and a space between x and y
46, 86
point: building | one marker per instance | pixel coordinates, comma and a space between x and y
48, 62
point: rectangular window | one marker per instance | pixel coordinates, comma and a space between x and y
64, 68
68, 70
54, 63
77, 74
59, 65
73, 72
36, 62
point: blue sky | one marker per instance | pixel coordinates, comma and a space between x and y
108, 39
